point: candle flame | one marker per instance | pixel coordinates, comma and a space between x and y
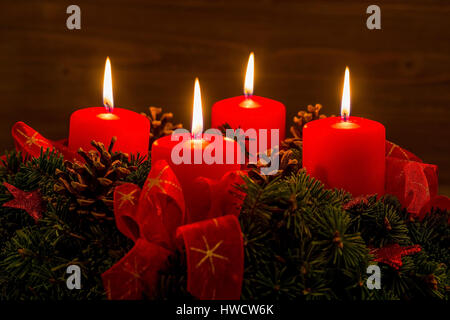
108, 100
197, 116
249, 75
345, 104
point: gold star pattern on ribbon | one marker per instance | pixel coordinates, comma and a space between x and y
158, 182
422, 187
394, 146
209, 254
126, 197
30, 140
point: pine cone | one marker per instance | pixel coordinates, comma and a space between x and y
303, 117
161, 125
92, 183
431, 281
290, 157
290, 153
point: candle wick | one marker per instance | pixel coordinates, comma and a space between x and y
197, 136
108, 107
248, 95
345, 117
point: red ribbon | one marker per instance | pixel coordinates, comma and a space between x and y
154, 218
30, 142
413, 182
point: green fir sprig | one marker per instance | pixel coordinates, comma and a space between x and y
301, 241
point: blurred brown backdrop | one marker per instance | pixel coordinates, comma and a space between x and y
400, 75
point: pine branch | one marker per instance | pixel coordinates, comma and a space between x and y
301, 241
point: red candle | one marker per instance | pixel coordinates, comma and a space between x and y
101, 124
346, 152
195, 143
249, 111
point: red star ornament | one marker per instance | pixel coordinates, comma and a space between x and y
392, 254
31, 202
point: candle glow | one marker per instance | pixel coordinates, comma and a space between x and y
249, 75
101, 124
108, 100
249, 111
197, 116
345, 104
346, 152
186, 153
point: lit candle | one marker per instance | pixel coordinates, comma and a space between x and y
249, 111
195, 143
102, 123
346, 152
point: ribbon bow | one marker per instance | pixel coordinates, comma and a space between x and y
153, 218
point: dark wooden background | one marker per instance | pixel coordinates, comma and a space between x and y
400, 75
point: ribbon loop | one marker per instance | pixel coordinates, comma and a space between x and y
221, 197
215, 258
136, 272
126, 198
161, 205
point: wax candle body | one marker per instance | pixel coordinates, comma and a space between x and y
187, 173
131, 129
253, 112
346, 154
